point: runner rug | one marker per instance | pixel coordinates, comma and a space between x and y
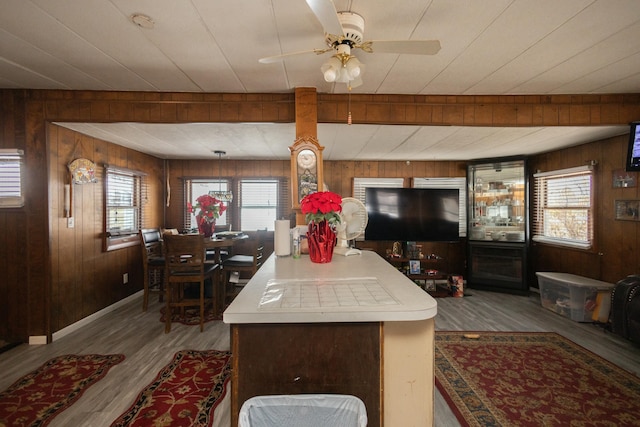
532, 379
36, 398
191, 316
185, 392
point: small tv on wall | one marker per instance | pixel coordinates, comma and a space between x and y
412, 214
633, 153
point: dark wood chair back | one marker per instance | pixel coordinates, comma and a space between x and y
152, 264
185, 262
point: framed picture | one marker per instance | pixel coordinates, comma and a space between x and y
414, 266
623, 179
430, 285
627, 210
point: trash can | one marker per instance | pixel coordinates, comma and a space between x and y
303, 410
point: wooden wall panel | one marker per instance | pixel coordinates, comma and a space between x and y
616, 251
84, 279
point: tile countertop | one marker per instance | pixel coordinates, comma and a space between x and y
355, 288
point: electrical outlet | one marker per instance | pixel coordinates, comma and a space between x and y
70, 222
125, 278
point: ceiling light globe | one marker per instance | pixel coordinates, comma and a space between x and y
353, 67
330, 75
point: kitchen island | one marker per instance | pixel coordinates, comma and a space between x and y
353, 326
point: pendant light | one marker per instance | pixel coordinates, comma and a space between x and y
225, 196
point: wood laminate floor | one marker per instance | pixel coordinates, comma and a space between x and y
140, 336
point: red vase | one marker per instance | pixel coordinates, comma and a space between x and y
322, 240
205, 226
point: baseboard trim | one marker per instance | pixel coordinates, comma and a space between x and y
98, 314
37, 339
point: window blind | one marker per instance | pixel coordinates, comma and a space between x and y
361, 184
124, 191
459, 183
258, 201
11, 166
563, 207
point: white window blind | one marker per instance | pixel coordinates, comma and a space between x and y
458, 183
563, 207
123, 201
361, 184
11, 166
258, 203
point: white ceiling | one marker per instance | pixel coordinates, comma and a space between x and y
488, 47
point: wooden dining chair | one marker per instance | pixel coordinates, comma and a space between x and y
152, 264
246, 261
185, 265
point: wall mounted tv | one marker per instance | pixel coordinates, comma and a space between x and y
633, 150
412, 214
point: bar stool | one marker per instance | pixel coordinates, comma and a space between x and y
185, 262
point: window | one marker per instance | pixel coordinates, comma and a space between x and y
198, 187
563, 207
258, 201
123, 206
360, 185
11, 178
256, 204
457, 183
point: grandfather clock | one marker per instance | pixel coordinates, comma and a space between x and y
306, 170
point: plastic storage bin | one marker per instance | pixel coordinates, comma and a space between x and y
303, 410
573, 296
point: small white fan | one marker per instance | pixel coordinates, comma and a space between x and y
353, 221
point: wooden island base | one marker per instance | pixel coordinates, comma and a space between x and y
336, 358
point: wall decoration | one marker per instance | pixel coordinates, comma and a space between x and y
82, 171
627, 210
622, 179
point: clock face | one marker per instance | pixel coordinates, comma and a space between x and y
306, 159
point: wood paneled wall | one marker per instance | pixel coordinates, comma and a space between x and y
84, 278
39, 279
616, 253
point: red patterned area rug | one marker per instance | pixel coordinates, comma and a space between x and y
36, 398
185, 392
191, 316
532, 379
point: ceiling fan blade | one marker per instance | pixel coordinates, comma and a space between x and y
282, 57
415, 47
326, 13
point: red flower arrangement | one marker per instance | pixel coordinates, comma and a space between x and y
322, 212
322, 205
210, 210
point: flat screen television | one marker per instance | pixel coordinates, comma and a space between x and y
633, 150
412, 214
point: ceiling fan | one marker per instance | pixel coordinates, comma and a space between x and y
343, 33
